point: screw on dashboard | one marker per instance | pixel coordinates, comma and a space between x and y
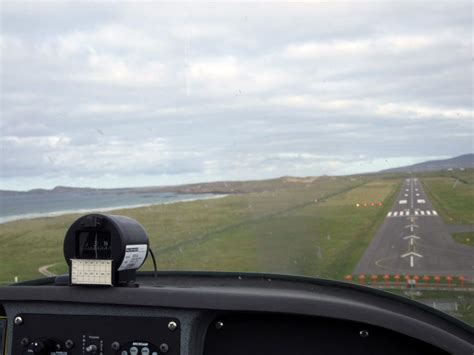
364, 333
172, 325
164, 348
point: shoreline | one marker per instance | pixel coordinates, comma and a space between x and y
14, 218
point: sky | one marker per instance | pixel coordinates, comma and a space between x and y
115, 94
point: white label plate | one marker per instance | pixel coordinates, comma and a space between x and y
134, 256
91, 272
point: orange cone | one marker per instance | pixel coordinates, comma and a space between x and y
449, 280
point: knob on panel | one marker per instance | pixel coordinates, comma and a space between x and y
42, 346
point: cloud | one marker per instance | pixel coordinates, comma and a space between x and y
162, 93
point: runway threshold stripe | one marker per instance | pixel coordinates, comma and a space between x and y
435, 213
389, 214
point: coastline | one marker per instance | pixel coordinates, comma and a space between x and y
29, 216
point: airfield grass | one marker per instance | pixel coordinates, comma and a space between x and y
453, 196
464, 238
311, 228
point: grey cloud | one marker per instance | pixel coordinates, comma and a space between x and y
230, 91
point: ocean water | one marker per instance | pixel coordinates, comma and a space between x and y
47, 205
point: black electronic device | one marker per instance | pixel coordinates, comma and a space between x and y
105, 250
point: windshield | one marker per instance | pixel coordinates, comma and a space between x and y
324, 139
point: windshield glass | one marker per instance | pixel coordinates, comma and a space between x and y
324, 139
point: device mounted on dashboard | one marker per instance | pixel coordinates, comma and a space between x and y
105, 250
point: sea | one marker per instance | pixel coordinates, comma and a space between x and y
27, 206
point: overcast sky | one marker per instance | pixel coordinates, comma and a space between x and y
132, 94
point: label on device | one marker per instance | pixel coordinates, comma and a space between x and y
134, 256
91, 272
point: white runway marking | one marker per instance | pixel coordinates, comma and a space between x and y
421, 201
389, 214
435, 213
411, 237
411, 253
416, 212
422, 213
395, 214
406, 195
428, 213
417, 194
402, 202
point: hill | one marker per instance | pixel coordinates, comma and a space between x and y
465, 161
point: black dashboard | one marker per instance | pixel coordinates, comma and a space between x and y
226, 314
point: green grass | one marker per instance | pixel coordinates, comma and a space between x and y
453, 197
464, 238
311, 228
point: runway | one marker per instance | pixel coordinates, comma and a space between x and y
413, 240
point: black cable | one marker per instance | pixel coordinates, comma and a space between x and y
155, 272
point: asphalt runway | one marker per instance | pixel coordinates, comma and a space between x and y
413, 240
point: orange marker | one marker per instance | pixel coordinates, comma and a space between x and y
396, 278
348, 278
426, 278
386, 278
362, 279
374, 278
449, 280
461, 280
437, 279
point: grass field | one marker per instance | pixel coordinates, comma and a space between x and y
464, 238
453, 196
312, 228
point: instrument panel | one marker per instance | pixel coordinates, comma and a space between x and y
51, 334
3, 332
